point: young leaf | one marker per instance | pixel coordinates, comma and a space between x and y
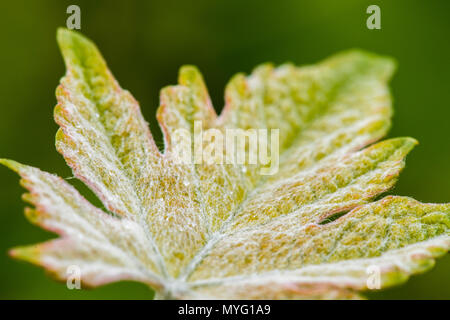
211, 230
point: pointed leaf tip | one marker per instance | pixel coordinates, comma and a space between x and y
26, 253
11, 164
407, 142
189, 73
79, 50
65, 36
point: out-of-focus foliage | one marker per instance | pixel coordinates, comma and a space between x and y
221, 39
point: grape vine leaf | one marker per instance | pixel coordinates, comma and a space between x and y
312, 230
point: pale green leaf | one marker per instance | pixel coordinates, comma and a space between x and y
207, 230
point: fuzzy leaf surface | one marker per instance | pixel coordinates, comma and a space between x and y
206, 230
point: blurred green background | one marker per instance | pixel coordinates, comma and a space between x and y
145, 42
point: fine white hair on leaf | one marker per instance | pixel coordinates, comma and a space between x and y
202, 230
